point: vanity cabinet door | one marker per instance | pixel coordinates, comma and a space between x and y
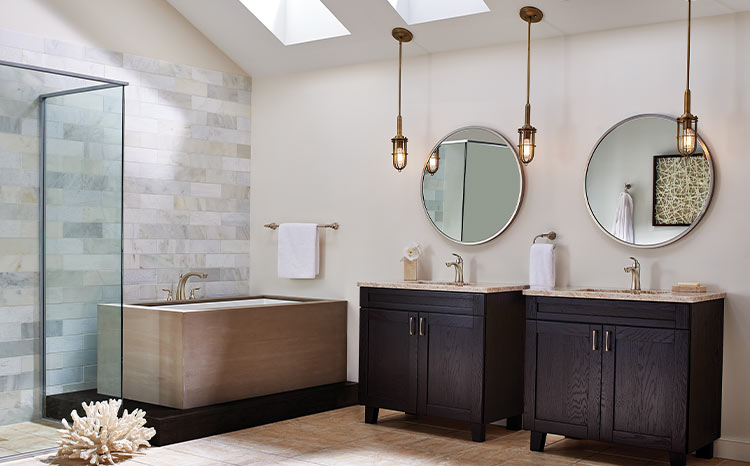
564, 378
644, 387
450, 366
391, 358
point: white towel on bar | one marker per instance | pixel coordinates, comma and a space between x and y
299, 250
622, 227
542, 266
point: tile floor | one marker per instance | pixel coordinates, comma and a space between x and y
27, 437
341, 438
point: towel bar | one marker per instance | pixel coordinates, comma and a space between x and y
334, 225
550, 236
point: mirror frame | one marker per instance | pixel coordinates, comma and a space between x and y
520, 194
707, 154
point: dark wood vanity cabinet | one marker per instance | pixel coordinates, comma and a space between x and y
637, 373
439, 353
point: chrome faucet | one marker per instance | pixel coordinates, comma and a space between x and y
459, 265
183, 281
635, 275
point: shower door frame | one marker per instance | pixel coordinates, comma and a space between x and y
106, 84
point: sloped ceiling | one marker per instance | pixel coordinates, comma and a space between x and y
239, 34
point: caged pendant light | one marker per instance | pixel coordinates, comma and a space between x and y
399, 141
527, 133
687, 123
433, 162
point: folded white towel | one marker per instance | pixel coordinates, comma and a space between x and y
622, 227
542, 266
299, 250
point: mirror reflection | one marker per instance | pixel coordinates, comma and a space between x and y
640, 190
472, 185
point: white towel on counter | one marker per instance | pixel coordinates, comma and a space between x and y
299, 250
542, 266
622, 227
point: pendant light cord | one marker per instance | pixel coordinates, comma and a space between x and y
687, 82
400, 43
528, 62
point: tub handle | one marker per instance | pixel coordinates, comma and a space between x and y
411, 326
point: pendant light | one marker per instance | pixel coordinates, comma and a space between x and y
433, 163
399, 141
687, 123
527, 133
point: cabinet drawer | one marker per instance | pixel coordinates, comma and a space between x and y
422, 301
603, 311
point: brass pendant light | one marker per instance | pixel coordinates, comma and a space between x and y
433, 162
527, 133
687, 123
399, 141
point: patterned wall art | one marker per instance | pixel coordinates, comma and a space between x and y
681, 187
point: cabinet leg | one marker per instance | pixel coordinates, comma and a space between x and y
513, 422
677, 459
706, 452
538, 439
371, 415
477, 432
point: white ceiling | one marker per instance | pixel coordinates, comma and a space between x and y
229, 25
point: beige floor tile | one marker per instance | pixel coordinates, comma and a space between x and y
223, 452
164, 457
606, 459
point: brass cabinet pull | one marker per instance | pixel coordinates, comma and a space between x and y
593, 340
606, 341
411, 326
421, 326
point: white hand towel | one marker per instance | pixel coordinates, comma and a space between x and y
622, 227
299, 250
542, 266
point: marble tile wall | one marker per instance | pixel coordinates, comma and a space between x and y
186, 198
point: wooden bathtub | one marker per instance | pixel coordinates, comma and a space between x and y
199, 353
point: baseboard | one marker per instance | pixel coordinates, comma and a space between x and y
732, 449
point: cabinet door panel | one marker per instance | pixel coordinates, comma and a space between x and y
391, 360
642, 394
450, 366
568, 378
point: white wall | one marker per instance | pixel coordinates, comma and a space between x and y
321, 153
149, 28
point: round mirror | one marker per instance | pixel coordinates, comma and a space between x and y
639, 190
472, 185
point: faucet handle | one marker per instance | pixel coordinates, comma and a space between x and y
192, 292
635, 262
460, 259
169, 294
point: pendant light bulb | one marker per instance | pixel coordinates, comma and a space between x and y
687, 123
399, 140
527, 133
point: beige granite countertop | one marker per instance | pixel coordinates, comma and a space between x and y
427, 285
627, 295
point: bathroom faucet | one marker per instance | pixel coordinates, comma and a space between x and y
459, 265
183, 281
635, 275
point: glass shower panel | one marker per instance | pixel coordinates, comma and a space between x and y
82, 158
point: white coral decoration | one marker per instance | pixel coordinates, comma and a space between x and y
101, 437
412, 252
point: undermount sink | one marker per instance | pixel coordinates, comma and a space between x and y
610, 290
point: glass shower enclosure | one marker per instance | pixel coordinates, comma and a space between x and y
61, 198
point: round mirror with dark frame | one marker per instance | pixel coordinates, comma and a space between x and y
639, 190
472, 185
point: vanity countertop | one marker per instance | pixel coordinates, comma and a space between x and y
627, 295
426, 285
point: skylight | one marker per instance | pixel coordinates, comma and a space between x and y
423, 11
296, 21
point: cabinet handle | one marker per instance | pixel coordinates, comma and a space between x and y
411, 326
421, 326
593, 340
606, 341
